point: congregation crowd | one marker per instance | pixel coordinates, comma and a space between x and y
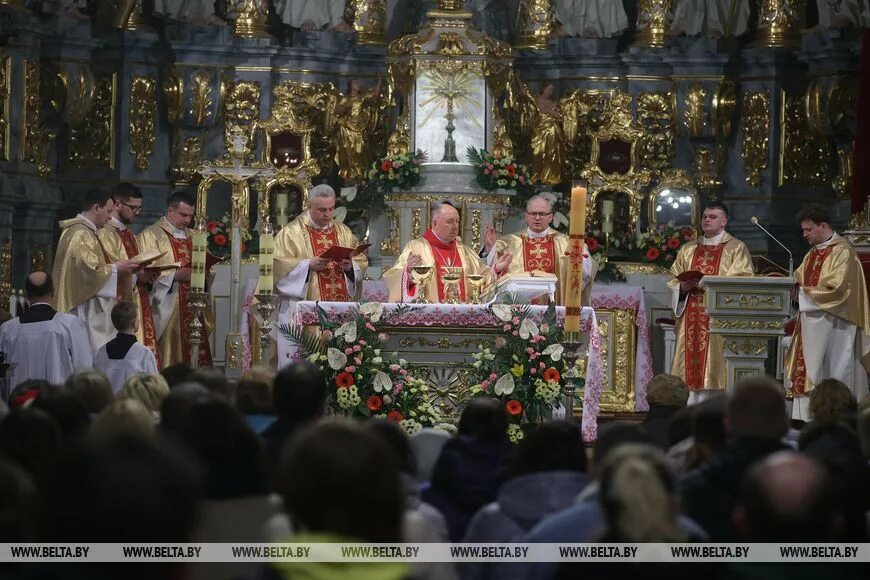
189, 456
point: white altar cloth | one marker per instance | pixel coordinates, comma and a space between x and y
476, 315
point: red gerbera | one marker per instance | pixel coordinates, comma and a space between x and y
514, 407
551, 375
386, 165
673, 243
374, 403
653, 254
220, 240
211, 225
592, 244
395, 416
344, 380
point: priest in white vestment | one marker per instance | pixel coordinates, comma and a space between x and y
85, 277
832, 334
43, 343
123, 356
712, 18
844, 13
591, 18
313, 14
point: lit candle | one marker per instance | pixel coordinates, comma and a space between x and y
199, 242
267, 262
575, 262
282, 202
607, 216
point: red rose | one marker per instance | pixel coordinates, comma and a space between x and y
344, 380
688, 233
220, 240
374, 403
386, 165
673, 243
514, 407
592, 244
511, 169
653, 254
395, 416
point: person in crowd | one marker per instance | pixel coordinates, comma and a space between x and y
666, 394
124, 416
67, 411
62, 339
214, 380
23, 395
864, 427
176, 374
31, 439
178, 402
757, 422
315, 472
545, 477
92, 388
299, 397
148, 389
123, 357
427, 444
19, 509
832, 401
471, 465
253, 398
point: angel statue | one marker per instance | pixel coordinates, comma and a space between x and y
542, 118
353, 119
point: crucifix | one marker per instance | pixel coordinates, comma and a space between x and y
237, 173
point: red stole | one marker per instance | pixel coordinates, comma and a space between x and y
149, 337
181, 251
446, 256
539, 254
332, 283
696, 323
812, 272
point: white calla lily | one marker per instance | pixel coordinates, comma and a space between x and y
382, 382
505, 385
348, 193
554, 351
528, 329
340, 214
348, 331
337, 359
502, 311
374, 310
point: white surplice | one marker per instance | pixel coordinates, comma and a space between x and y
591, 18
51, 350
139, 359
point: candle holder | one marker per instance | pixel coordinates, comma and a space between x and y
265, 307
196, 301
572, 355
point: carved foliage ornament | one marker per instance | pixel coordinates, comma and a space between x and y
242, 111
805, 155
655, 115
695, 113
91, 144
756, 128
200, 99
143, 113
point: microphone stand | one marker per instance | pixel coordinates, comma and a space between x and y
783, 246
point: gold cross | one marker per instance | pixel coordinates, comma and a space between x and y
538, 251
706, 258
324, 242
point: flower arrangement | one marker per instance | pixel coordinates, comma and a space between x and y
219, 238
402, 171
363, 382
525, 368
498, 172
596, 243
660, 244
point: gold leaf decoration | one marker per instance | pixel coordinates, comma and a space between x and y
143, 112
805, 155
756, 128
92, 143
201, 102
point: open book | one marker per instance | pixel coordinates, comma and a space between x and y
690, 275
163, 267
145, 258
339, 253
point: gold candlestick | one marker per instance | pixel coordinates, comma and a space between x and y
265, 307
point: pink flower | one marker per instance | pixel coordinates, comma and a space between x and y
362, 342
530, 350
534, 355
490, 166
357, 348
486, 171
398, 387
394, 368
484, 385
515, 333
383, 337
493, 376
348, 351
403, 372
327, 335
358, 361
371, 327
516, 320
506, 327
533, 371
500, 342
350, 369
543, 366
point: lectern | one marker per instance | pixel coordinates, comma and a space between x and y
748, 312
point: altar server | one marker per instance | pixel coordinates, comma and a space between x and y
440, 247
832, 334
43, 343
539, 247
123, 357
698, 355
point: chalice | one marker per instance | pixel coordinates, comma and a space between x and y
451, 278
421, 276
475, 282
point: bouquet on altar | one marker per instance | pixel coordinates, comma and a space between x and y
524, 367
621, 244
493, 172
363, 381
219, 238
661, 244
402, 171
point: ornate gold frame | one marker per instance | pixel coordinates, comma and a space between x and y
670, 179
618, 125
618, 331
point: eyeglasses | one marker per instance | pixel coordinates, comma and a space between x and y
538, 214
134, 208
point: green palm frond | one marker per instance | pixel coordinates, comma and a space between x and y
309, 342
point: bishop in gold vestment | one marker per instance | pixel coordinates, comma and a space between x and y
86, 277
832, 334
169, 297
439, 247
300, 271
698, 356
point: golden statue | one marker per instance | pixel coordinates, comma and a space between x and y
542, 117
354, 119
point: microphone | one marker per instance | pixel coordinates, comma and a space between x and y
772, 237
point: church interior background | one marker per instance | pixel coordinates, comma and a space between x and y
658, 105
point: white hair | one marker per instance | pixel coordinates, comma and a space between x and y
322, 190
438, 208
539, 197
